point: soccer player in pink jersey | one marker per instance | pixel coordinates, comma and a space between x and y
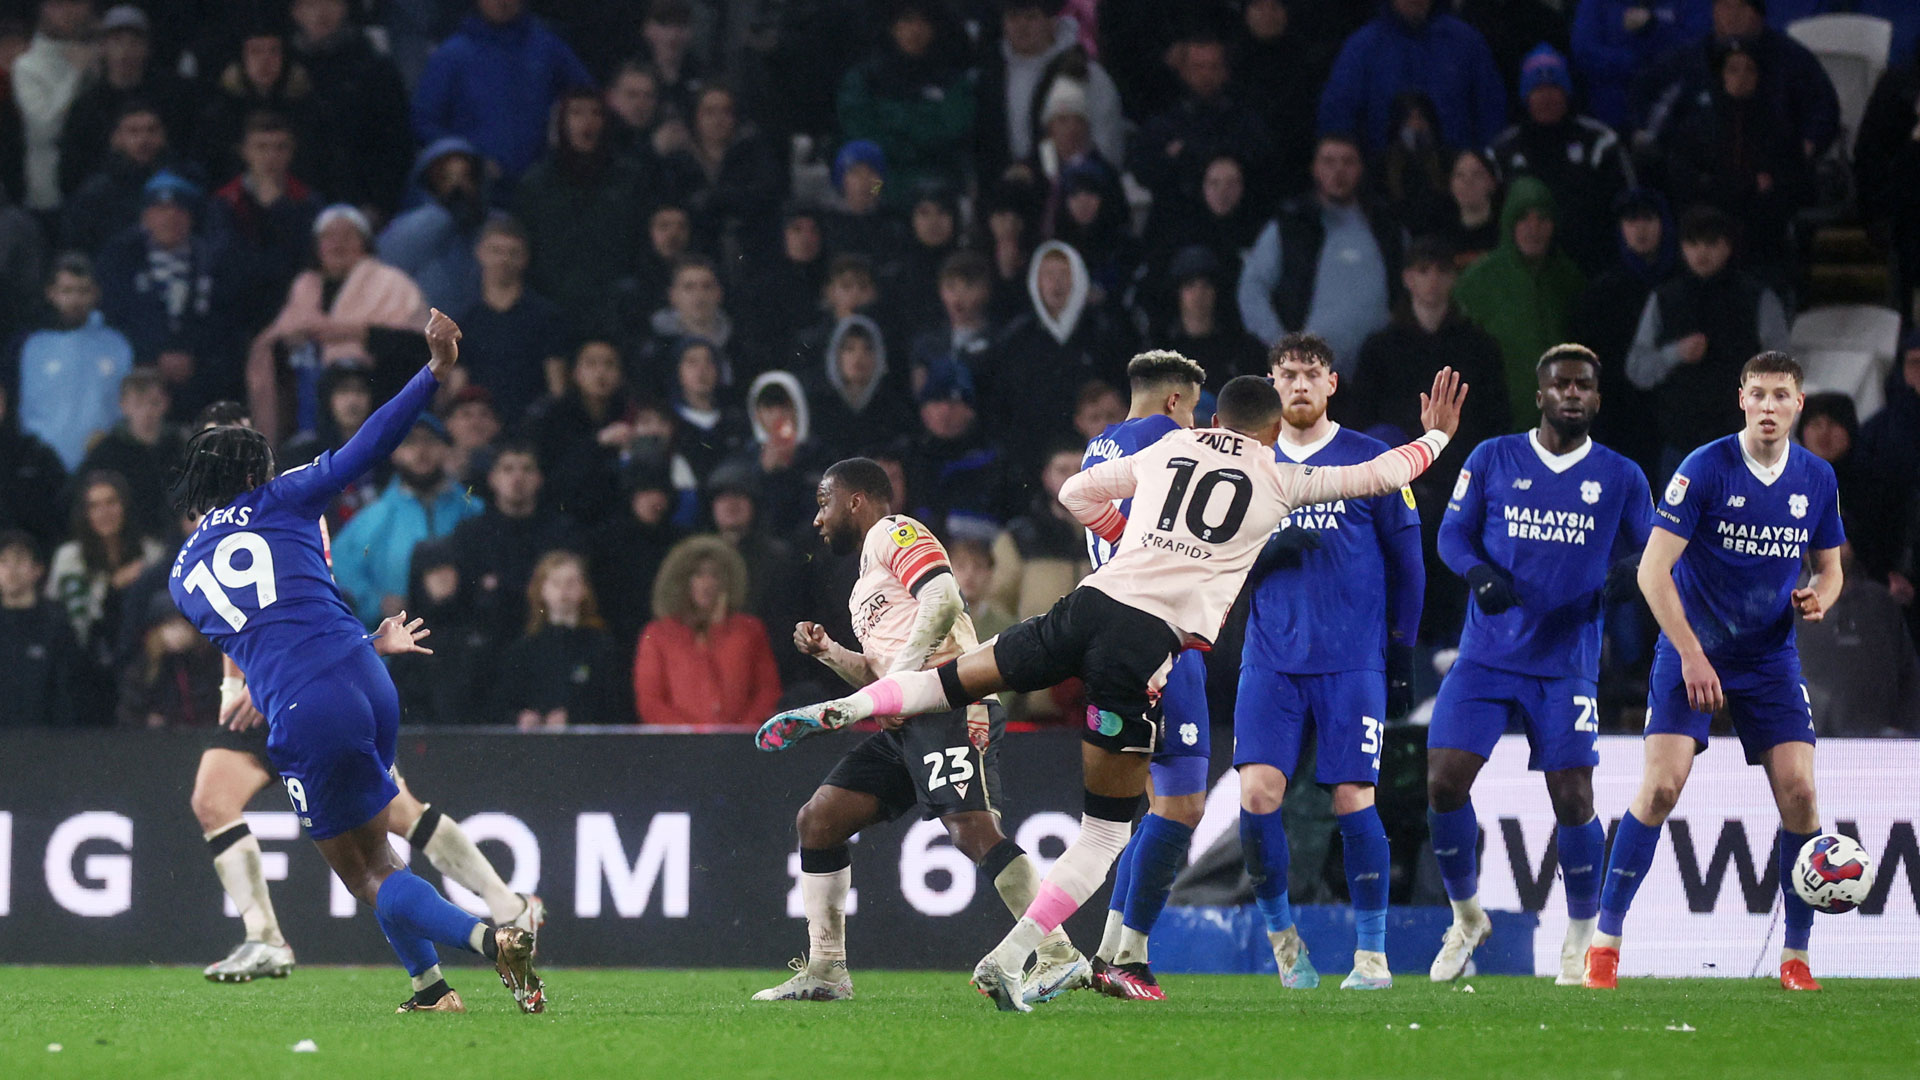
908, 615
1205, 503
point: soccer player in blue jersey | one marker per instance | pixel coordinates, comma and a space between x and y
1165, 387
1540, 525
1734, 527
253, 578
1336, 606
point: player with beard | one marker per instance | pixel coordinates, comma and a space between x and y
1547, 527
908, 615
235, 767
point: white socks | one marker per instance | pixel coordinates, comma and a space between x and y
1468, 910
1110, 936
239, 870
455, 855
825, 898
1079, 872
427, 978
476, 940
1017, 885
1607, 941
1133, 947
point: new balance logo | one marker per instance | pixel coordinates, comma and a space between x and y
1736, 500
1523, 483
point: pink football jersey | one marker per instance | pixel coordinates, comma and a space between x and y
898, 554
1204, 503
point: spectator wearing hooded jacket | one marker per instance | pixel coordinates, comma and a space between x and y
1614, 40
372, 556
1327, 264
1524, 291
493, 82
1608, 315
858, 405
433, 242
781, 464
1410, 46
1792, 82
1579, 158
1042, 358
914, 97
703, 662
1037, 47
584, 211
1735, 148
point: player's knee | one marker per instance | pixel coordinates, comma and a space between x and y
1351, 798
1447, 791
817, 825
1661, 794
1796, 799
973, 834
1572, 799
1185, 809
1262, 790
212, 810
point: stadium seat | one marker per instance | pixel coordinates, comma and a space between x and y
1853, 49
1849, 348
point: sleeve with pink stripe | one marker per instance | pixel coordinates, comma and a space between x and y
1089, 496
1393, 469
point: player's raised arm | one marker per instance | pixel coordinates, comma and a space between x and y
389, 424
1089, 495
1439, 411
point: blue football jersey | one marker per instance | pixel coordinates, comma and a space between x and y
1124, 439
1748, 530
1331, 613
253, 577
1555, 524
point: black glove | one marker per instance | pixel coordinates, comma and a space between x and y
1623, 581
1285, 550
1399, 680
1492, 589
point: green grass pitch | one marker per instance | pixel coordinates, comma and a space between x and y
168, 1022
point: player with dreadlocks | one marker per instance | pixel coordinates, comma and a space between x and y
234, 768
253, 578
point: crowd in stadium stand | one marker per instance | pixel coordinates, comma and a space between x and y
701, 249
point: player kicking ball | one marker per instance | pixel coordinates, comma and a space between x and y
253, 578
1335, 608
1544, 526
235, 767
1165, 387
908, 615
1206, 501
1733, 529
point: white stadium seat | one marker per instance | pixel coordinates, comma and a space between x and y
1849, 348
1853, 50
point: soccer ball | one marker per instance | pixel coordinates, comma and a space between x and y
1832, 874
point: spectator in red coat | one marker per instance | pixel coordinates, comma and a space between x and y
701, 663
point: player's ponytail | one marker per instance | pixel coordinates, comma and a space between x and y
222, 463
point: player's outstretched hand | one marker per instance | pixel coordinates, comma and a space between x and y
1440, 409
810, 638
1807, 602
443, 341
396, 635
1703, 684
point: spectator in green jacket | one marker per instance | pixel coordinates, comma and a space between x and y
1523, 291
915, 98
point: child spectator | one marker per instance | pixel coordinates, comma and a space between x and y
562, 670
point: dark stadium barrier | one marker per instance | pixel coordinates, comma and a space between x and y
677, 850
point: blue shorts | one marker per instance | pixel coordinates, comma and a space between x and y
1346, 706
333, 745
1186, 739
1767, 699
1561, 715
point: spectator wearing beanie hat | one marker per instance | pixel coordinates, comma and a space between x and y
861, 224
1579, 158
914, 97
1036, 49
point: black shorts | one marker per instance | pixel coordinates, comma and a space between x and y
251, 741
929, 762
1115, 649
